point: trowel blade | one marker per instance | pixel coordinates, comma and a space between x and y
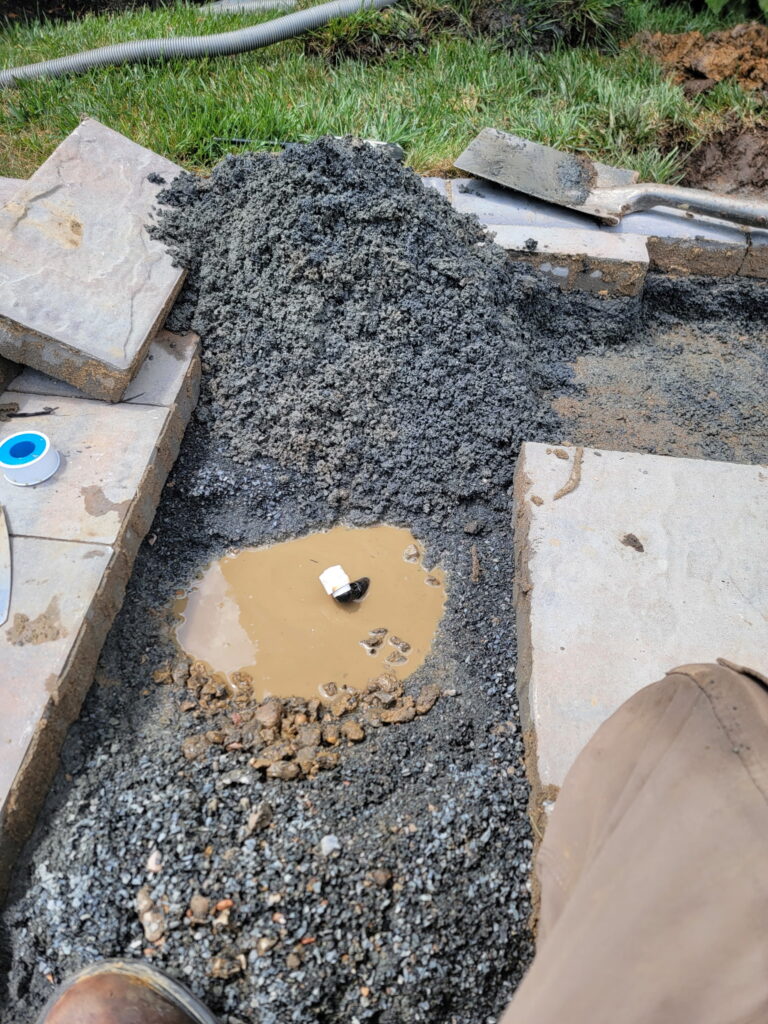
564, 178
5, 568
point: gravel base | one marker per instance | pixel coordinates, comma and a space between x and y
368, 356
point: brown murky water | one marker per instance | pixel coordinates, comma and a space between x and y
263, 611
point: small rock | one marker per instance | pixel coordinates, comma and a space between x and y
331, 734
427, 698
180, 671
227, 967
305, 758
326, 760
153, 923
373, 716
269, 714
293, 962
329, 844
411, 553
284, 770
343, 704
396, 716
385, 699
352, 731
328, 691
269, 755
144, 901
162, 675
389, 684
308, 735
259, 818
237, 777
221, 920
264, 944
198, 908
472, 527
194, 746
395, 658
154, 863
152, 920
381, 877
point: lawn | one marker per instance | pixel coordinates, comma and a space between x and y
431, 97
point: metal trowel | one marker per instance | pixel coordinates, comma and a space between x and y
575, 181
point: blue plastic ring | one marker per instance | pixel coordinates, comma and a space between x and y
22, 449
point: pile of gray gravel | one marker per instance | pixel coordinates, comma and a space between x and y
368, 356
357, 326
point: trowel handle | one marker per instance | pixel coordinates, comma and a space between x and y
628, 199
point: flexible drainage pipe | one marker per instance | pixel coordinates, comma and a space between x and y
239, 41
247, 6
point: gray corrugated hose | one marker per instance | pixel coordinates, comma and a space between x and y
246, 6
239, 41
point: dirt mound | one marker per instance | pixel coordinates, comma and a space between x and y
733, 161
700, 61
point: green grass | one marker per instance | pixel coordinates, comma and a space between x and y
432, 99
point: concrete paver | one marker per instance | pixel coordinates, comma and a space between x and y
159, 381
74, 539
104, 450
8, 187
677, 242
83, 288
59, 615
576, 258
644, 563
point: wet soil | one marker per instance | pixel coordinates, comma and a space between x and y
368, 357
698, 61
735, 160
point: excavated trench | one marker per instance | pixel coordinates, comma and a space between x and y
369, 358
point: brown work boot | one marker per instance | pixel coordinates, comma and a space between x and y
123, 992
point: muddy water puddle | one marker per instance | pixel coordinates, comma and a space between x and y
263, 612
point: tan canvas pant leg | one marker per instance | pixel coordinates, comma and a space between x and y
654, 865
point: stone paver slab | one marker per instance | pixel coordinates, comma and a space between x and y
74, 539
8, 188
158, 382
644, 563
83, 288
55, 584
105, 451
575, 258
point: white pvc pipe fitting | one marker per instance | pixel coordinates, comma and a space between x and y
27, 458
335, 581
